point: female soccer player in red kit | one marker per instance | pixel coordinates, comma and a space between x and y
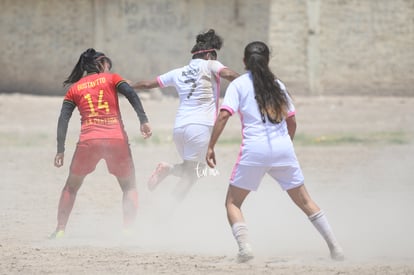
94, 91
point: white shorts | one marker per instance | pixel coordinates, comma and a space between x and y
250, 177
192, 140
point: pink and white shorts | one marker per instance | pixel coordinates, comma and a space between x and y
250, 177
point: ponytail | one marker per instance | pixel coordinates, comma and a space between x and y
271, 100
90, 61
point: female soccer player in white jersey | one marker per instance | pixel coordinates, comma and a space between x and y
268, 122
198, 88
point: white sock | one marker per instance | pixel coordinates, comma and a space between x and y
240, 233
321, 223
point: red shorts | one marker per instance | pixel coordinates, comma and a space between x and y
115, 152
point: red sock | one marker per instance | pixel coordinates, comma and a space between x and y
130, 206
66, 202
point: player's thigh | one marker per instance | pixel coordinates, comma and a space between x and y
236, 196
118, 158
86, 157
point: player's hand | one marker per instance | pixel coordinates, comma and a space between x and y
211, 157
146, 130
59, 159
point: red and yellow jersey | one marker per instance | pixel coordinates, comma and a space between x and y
96, 98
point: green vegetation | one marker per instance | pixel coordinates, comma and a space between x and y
307, 140
20, 139
360, 138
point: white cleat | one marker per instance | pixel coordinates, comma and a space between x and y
245, 254
337, 254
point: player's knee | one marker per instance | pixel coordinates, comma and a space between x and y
126, 184
71, 189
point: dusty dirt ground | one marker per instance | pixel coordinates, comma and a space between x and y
357, 154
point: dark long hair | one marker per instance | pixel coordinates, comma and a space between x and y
207, 42
90, 61
271, 100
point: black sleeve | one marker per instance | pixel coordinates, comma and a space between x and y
133, 98
63, 122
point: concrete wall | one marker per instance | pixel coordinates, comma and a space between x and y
320, 47
344, 46
43, 39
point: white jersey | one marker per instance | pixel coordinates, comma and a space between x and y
264, 143
198, 88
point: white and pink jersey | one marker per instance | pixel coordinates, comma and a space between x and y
264, 143
198, 87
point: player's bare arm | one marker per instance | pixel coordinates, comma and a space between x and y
146, 84
291, 126
228, 74
217, 130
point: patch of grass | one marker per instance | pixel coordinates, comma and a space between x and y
360, 138
230, 140
8, 139
35, 139
306, 140
155, 139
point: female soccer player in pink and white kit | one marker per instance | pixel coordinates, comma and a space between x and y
268, 122
198, 88
94, 91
